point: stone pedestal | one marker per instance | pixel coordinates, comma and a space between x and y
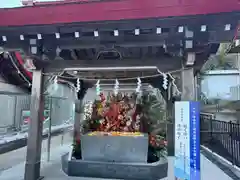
114, 170
115, 148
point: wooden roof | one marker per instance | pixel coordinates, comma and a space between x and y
111, 10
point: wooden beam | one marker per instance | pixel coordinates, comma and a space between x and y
163, 64
112, 74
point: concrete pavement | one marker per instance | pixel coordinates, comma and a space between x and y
209, 171
12, 164
52, 170
13, 158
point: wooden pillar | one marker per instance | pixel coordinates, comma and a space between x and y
33, 159
170, 122
78, 109
188, 85
77, 118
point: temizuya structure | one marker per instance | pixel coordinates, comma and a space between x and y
108, 39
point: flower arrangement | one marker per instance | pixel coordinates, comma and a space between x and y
123, 114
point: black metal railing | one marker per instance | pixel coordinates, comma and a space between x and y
221, 137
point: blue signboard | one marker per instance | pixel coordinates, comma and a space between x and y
187, 140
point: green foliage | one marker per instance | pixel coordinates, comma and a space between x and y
218, 61
154, 111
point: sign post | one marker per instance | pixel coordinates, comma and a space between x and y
187, 140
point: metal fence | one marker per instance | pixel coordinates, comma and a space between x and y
221, 137
15, 119
11, 107
15, 112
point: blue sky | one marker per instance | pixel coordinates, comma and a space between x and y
10, 3
13, 3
